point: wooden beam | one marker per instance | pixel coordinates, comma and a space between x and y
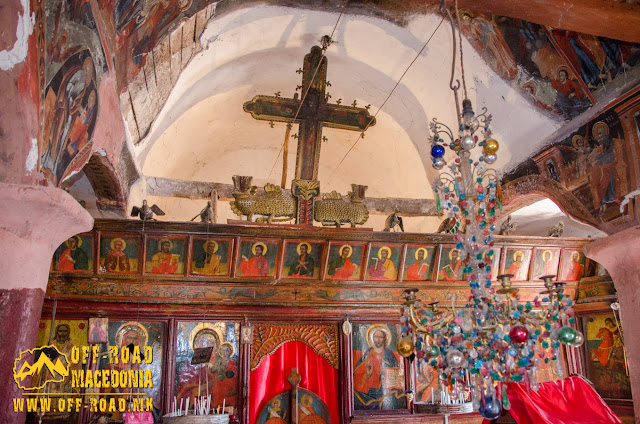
605, 18
166, 187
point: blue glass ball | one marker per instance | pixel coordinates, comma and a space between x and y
491, 408
437, 151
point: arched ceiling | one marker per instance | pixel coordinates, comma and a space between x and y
202, 133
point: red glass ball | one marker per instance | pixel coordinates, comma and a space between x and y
519, 334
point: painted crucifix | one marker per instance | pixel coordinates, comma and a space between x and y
311, 113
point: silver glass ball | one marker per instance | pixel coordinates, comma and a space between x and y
489, 159
579, 340
455, 358
439, 163
467, 142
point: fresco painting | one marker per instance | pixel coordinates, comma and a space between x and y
75, 62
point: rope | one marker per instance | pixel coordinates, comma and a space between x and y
464, 83
388, 97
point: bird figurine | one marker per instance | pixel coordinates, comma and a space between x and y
392, 221
145, 212
508, 227
206, 214
556, 230
448, 226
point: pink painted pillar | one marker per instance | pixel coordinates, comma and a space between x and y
34, 221
620, 255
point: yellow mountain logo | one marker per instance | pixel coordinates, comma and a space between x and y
51, 366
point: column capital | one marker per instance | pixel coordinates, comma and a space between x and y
34, 221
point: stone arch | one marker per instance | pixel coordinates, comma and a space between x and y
110, 192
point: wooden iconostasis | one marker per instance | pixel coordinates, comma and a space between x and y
324, 301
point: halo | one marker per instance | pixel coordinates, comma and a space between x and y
534, 89
563, 68
600, 125
550, 255
124, 243
207, 328
78, 239
451, 253
515, 254
373, 329
342, 247
264, 248
575, 139
384, 248
162, 241
230, 345
419, 249
300, 244
575, 252
205, 246
128, 326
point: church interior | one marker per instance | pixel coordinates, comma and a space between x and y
320, 211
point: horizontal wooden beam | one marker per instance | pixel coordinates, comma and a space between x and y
166, 187
606, 18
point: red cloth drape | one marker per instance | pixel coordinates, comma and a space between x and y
568, 401
270, 378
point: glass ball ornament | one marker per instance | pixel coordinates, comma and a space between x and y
567, 335
519, 334
405, 347
439, 163
437, 151
467, 142
455, 358
489, 159
490, 146
490, 407
433, 351
579, 340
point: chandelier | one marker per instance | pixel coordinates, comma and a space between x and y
495, 338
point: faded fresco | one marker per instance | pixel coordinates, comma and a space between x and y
560, 71
591, 164
605, 357
75, 61
378, 370
218, 376
75, 254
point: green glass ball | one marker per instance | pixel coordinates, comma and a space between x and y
567, 335
433, 351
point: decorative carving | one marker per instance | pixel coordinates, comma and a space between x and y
334, 210
323, 339
306, 191
272, 203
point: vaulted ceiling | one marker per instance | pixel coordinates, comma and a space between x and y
183, 113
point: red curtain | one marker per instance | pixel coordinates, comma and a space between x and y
270, 378
568, 401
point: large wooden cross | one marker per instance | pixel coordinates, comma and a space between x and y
315, 113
